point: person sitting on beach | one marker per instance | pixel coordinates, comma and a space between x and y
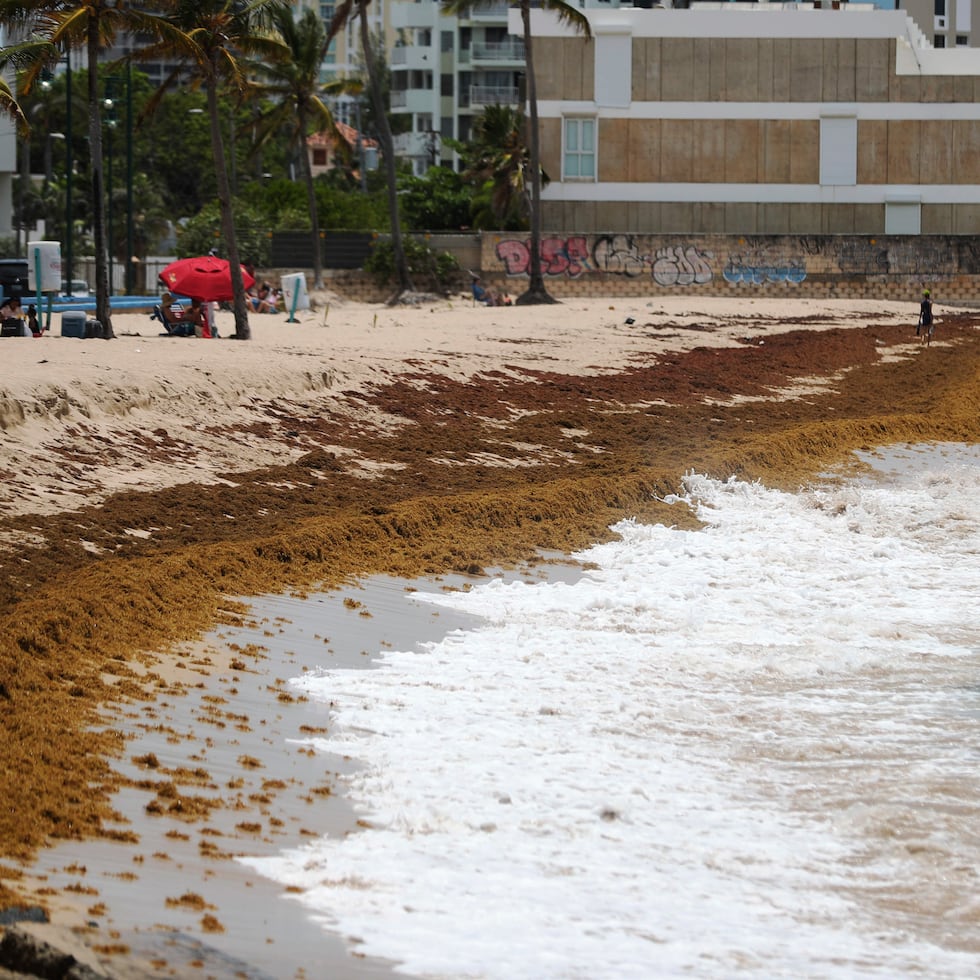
196, 320
12, 323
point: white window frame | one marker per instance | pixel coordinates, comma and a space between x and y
838, 150
903, 215
573, 128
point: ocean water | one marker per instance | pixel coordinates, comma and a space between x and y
748, 750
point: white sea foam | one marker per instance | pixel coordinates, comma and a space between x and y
746, 750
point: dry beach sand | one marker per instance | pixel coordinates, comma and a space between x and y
151, 484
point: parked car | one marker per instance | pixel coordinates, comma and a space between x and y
79, 289
13, 277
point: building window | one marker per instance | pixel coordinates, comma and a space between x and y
903, 217
962, 41
319, 156
838, 150
446, 39
579, 150
939, 41
446, 85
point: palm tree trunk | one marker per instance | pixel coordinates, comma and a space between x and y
388, 152
102, 307
536, 291
242, 329
307, 171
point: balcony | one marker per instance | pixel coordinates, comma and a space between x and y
494, 95
410, 57
510, 51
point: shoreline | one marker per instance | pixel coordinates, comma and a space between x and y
528, 436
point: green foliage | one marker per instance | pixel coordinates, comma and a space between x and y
344, 210
439, 270
202, 233
439, 201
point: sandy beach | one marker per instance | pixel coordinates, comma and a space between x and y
154, 484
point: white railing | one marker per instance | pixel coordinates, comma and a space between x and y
512, 50
494, 95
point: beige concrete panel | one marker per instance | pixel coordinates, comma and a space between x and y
963, 88
615, 155
644, 140
806, 70
677, 73
904, 137
675, 149
937, 88
804, 167
868, 219
837, 219
741, 218
709, 152
966, 219
647, 69
554, 217
774, 219
550, 146
907, 88
741, 70
872, 72
701, 87
831, 70
582, 215
965, 152
615, 216
676, 217
847, 61
804, 219
717, 65
578, 75
936, 152
937, 219
742, 151
549, 70
872, 148
782, 65
765, 53
709, 218
643, 217
777, 141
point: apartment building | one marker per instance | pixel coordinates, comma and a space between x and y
757, 119
946, 23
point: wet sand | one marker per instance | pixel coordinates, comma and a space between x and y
148, 486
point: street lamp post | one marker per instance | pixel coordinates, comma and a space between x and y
69, 167
110, 122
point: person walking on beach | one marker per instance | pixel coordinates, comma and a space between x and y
926, 323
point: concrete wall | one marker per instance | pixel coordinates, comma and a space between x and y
726, 122
721, 265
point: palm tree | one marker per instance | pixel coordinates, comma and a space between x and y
497, 160
51, 28
568, 14
10, 107
292, 82
346, 12
210, 39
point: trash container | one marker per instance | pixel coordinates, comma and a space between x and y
73, 323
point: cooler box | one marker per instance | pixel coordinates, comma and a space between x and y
73, 323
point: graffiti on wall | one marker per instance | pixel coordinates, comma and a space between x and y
621, 255
559, 256
756, 270
669, 265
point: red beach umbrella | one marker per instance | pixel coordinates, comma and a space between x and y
205, 277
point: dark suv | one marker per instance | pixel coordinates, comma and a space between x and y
13, 277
